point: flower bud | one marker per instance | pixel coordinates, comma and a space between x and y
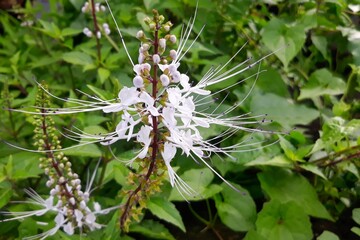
173, 54
146, 47
138, 82
152, 26
97, 7
102, 8
172, 38
85, 8
61, 180
48, 183
147, 20
141, 58
53, 192
140, 34
162, 43
164, 80
176, 77
106, 28
156, 58
98, 34
87, 32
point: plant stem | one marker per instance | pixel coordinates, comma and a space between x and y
155, 143
96, 29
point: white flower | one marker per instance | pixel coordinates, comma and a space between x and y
143, 137
168, 154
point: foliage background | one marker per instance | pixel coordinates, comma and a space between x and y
304, 187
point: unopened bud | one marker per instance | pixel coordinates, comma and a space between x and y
141, 58
97, 7
140, 34
162, 43
138, 82
176, 77
173, 54
156, 58
164, 80
172, 38
145, 46
98, 34
152, 26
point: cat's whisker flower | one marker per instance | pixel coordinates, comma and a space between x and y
164, 112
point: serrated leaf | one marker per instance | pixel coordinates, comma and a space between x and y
283, 221
279, 185
236, 209
166, 210
322, 82
277, 34
78, 58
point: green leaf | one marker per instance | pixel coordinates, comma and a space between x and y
152, 229
272, 82
288, 149
103, 74
100, 92
280, 185
254, 235
89, 150
200, 181
322, 82
5, 193
282, 110
326, 235
236, 209
356, 230
77, 57
277, 34
356, 215
278, 161
283, 221
165, 210
314, 169
320, 42
70, 32
50, 29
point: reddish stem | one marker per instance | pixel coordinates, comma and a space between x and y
154, 144
96, 29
